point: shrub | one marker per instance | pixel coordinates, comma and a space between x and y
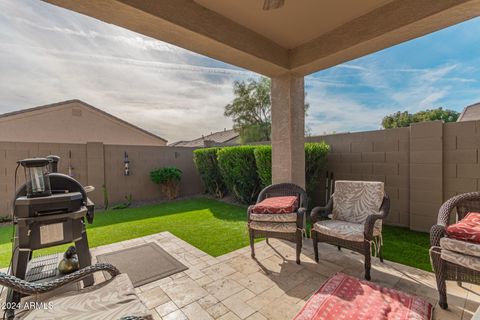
207, 167
245, 170
315, 161
169, 179
238, 169
263, 161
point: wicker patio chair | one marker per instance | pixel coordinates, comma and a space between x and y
290, 226
357, 209
450, 262
115, 298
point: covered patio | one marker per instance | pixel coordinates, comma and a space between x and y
285, 44
272, 286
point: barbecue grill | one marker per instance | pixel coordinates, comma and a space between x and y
50, 209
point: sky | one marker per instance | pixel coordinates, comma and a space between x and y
48, 54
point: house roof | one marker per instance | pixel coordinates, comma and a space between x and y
62, 103
220, 137
470, 113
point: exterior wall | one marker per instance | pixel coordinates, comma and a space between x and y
379, 156
72, 122
461, 169
142, 161
426, 176
97, 164
422, 166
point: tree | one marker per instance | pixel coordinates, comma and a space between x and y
405, 119
251, 109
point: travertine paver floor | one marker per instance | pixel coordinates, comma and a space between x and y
235, 286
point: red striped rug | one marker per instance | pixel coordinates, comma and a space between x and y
345, 297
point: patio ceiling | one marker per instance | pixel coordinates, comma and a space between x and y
302, 37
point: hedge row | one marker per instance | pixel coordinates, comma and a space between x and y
207, 166
245, 170
237, 165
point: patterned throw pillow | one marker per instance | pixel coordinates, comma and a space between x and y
467, 229
277, 205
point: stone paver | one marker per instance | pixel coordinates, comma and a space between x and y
274, 287
166, 308
195, 312
235, 286
184, 291
218, 310
223, 288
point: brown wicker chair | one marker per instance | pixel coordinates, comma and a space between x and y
286, 226
448, 269
358, 233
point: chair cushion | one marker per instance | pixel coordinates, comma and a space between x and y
279, 217
112, 299
465, 247
461, 259
286, 204
467, 229
287, 227
342, 229
353, 201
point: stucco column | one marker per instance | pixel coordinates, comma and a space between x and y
288, 129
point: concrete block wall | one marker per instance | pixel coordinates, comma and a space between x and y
381, 155
461, 168
426, 175
142, 160
97, 164
422, 166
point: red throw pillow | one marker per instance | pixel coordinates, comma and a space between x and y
276, 205
467, 229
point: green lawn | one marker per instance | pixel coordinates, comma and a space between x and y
212, 226
407, 247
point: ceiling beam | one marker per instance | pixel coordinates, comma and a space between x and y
191, 26
186, 24
394, 23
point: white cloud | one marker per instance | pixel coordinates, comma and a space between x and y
339, 113
49, 54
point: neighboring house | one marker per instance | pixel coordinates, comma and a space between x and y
72, 121
470, 113
220, 138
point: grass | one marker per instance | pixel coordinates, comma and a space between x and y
212, 226
407, 247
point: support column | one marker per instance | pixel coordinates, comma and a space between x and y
288, 129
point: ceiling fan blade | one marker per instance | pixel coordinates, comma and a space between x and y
273, 4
